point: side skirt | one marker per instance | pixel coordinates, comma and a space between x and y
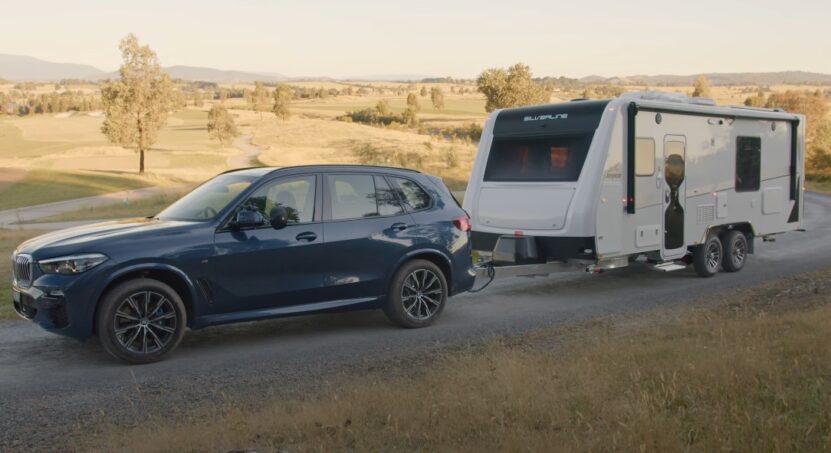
292, 310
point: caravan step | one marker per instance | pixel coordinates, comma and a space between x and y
669, 266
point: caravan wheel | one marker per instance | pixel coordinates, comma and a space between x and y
735, 248
707, 257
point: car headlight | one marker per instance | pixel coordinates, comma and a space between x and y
73, 264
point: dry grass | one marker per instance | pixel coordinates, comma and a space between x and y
303, 140
822, 186
750, 374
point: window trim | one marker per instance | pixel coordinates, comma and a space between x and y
327, 198
316, 214
404, 204
758, 185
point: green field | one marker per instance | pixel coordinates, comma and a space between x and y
43, 186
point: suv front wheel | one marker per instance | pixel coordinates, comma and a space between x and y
417, 295
141, 321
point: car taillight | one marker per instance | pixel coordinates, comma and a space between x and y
462, 223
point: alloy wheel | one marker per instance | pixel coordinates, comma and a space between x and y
421, 294
713, 256
739, 252
145, 322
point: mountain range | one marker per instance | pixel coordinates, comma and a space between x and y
25, 68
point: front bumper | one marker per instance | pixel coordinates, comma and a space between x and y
47, 310
61, 304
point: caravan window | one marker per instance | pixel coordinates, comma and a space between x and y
557, 158
644, 156
748, 163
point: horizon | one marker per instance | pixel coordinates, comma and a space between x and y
367, 38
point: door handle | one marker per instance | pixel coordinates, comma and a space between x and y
398, 226
308, 236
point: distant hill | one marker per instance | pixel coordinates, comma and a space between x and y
219, 75
19, 67
720, 78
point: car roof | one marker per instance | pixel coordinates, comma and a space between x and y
262, 171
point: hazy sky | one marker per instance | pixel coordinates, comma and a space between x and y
456, 38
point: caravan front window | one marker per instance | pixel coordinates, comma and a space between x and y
553, 158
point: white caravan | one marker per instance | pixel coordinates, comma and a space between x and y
597, 184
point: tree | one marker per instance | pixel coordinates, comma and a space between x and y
223, 94
812, 106
757, 100
221, 125
701, 87
259, 98
511, 88
136, 105
282, 98
423, 91
197, 99
412, 102
437, 97
383, 107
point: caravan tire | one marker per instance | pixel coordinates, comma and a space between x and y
707, 257
734, 244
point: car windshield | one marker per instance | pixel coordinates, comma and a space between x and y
207, 200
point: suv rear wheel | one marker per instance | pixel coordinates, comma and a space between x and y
417, 295
141, 321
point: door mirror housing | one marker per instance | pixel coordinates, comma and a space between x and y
279, 217
247, 219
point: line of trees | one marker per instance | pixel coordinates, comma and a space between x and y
20, 103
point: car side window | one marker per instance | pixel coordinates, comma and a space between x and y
388, 203
411, 193
352, 196
297, 195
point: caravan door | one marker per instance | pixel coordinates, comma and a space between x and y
674, 198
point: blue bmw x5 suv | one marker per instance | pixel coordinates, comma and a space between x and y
251, 244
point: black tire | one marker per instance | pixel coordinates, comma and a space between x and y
707, 257
417, 294
734, 244
141, 321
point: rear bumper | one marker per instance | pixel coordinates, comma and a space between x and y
552, 248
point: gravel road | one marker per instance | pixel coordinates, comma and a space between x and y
50, 386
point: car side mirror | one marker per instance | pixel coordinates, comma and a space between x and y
279, 217
247, 219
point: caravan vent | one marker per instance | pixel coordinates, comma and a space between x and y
705, 214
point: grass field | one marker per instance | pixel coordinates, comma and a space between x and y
9, 239
183, 150
137, 208
750, 373
44, 186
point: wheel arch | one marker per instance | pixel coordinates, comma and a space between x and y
165, 273
434, 256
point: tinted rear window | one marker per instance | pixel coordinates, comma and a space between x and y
558, 158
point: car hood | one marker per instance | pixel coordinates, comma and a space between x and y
88, 238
